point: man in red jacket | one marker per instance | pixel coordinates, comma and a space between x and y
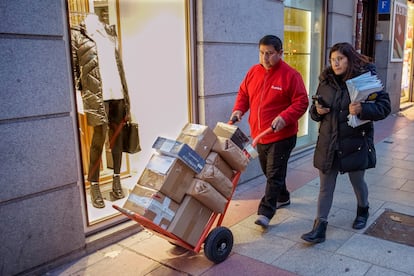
276, 96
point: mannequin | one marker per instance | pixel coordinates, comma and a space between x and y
100, 77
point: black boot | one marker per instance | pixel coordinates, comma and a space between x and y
117, 188
361, 218
96, 196
318, 232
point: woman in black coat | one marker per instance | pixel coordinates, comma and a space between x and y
342, 148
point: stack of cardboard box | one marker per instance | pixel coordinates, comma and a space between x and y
188, 179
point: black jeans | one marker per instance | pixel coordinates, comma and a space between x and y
116, 113
274, 159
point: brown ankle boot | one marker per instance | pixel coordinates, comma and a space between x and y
117, 188
96, 196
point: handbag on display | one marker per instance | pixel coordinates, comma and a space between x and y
130, 138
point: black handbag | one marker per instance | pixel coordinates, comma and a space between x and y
130, 138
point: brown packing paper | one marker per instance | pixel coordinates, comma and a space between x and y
216, 178
214, 158
206, 194
231, 153
232, 132
199, 137
152, 205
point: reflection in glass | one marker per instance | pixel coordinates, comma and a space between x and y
103, 104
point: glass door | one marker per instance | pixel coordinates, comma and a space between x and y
303, 41
407, 72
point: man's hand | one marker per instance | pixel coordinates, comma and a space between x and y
322, 110
237, 114
355, 108
278, 123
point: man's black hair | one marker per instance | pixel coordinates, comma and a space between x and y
272, 40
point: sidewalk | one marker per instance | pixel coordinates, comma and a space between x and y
279, 250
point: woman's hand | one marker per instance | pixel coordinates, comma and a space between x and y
322, 110
355, 108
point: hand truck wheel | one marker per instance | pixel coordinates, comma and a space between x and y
218, 244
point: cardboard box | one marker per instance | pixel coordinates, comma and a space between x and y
199, 137
190, 220
181, 151
152, 205
214, 158
215, 177
167, 174
207, 195
232, 132
231, 153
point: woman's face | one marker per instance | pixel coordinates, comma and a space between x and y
339, 63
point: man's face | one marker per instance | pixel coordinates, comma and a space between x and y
268, 56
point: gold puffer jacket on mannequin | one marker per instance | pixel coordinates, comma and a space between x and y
87, 75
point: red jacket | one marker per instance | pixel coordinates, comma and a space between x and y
279, 91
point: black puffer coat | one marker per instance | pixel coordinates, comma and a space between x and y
87, 75
354, 147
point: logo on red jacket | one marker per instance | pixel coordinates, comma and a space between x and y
275, 87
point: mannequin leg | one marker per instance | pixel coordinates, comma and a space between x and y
116, 119
98, 140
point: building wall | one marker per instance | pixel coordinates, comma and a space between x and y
340, 14
40, 210
227, 36
389, 72
343, 13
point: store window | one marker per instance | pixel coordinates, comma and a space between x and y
303, 49
130, 57
407, 81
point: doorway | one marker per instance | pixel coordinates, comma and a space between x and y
407, 71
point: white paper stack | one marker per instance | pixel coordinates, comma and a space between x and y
360, 89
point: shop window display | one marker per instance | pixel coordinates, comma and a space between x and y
112, 69
99, 75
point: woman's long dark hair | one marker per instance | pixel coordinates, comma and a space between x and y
356, 61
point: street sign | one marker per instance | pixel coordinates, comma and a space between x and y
384, 6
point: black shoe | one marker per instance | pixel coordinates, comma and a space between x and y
361, 219
281, 204
96, 196
318, 232
283, 199
117, 192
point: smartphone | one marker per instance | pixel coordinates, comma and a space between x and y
317, 99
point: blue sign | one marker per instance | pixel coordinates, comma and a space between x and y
384, 6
